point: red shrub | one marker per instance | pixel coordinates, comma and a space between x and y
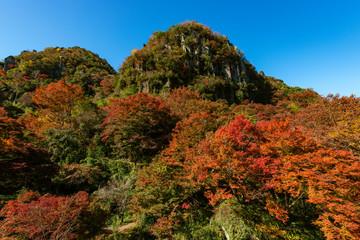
32, 216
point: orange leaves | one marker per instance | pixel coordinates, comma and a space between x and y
26, 197
3, 73
218, 196
276, 211
20, 161
324, 177
283, 139
328, 179
230, 163
138, 126
184, 102
171, 179
333, 121
107, 85
163, 226
272, 165
55, 103
187, 134
274, 159
58, 98
10, 132
334, 185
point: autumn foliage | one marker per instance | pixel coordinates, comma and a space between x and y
183, 102
54, 103
10, 132
270, 163
58, 98
176, 145
21, 163
138, 126
162, 187
333, 121
32, 216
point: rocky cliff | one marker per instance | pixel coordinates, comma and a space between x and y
191, 54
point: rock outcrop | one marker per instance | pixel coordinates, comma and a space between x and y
9, 63
192, 55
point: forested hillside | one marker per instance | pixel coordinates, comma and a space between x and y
187, 140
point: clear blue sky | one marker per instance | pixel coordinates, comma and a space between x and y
312, 44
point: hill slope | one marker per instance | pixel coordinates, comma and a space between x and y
77, 64
191, 54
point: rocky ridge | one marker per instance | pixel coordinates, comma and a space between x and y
191, 54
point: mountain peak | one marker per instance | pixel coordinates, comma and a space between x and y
191, 54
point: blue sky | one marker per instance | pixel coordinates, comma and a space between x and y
312, 44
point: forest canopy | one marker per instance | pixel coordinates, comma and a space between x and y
187, 140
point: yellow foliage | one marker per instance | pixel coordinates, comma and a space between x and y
134, 51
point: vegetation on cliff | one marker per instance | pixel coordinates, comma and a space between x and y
186, 141
192, 55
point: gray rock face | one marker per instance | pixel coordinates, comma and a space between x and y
61, 67
9, 62
233, 71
